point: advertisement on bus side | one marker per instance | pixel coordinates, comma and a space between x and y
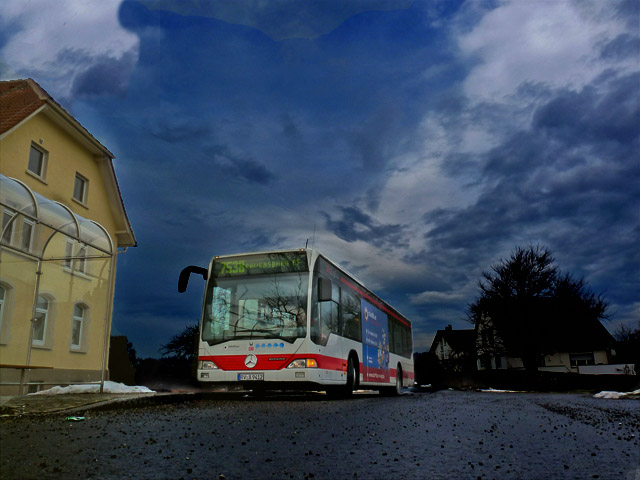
375, 343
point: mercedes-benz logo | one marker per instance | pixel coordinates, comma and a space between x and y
250, 360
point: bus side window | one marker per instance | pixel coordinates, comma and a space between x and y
325, 318
336, 316
350, 306
400, 341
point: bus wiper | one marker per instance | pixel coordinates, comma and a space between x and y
271, 333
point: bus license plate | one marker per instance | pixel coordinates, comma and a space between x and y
250, 376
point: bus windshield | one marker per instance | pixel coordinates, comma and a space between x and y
256, 307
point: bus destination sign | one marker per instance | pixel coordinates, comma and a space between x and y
288, 262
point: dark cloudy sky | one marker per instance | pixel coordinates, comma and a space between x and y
417, 143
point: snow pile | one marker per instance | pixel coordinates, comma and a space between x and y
618, 395
493, 390
109, 387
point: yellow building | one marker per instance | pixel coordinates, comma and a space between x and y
63, 224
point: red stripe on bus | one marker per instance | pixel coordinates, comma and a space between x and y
374, 301
274, 361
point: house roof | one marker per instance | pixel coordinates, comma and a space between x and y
22, 99
18, 100
458, 340
559, 330
579, 335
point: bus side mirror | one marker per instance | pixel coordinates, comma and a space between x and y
324, 289
183, 280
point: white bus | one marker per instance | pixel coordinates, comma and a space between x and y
295, 320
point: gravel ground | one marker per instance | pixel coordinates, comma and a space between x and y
448, 434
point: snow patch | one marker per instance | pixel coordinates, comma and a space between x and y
493, 390
109, 387
618, 395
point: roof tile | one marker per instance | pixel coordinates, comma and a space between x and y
18, 100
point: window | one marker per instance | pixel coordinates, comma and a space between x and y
34, 387
400, 338
581, 359
350, 306
77, 324
325, 318
75, 258
7, 236
40, 322
68, 254
81, 262
80, 189
28, 227
37, 161
3, 298
498, 363
13, 235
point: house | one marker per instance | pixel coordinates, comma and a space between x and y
63, 224
575, 345
455, 349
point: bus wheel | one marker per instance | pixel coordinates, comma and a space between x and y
352, 374
397, 390
346, 390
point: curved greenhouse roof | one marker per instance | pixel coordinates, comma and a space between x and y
18, 197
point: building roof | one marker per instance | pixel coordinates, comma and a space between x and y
459, 340
18, 100
23, 98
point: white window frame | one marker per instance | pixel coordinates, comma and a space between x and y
81, 320
45, 312
72, 263
67, 263
80, 264
85, 188
3, 299
28, 246
42, 174
8, 214
14, 233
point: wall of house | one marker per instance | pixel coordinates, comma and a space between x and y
600, 357
558, 360
62, 283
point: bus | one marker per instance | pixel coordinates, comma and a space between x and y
284, 320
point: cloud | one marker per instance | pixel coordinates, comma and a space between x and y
59, 44
356, 225
623, 47
106, 76
607, 110
552, 42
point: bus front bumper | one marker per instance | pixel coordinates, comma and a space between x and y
268, 378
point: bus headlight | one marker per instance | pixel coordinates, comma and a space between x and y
208, 365
304, 363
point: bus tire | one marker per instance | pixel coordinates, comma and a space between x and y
346, 390
397, 389
352, 376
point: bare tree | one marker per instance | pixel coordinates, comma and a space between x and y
524, 301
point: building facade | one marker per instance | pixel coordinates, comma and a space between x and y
455, 349
565, 349
63, 225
